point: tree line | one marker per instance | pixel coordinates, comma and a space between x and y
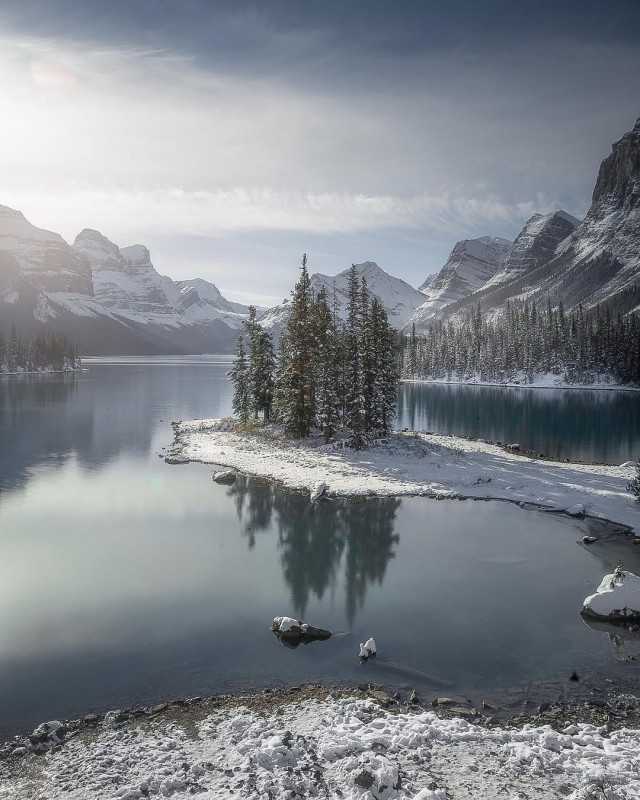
44, 351
326, 374
522, 342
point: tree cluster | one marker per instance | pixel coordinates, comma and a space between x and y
326, 374
44, 351
522, 342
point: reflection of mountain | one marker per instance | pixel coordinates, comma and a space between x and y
315, 540
96, 415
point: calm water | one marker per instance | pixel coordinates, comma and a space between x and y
578, 424
124, 580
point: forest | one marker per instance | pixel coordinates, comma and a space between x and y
46, 351
523, 343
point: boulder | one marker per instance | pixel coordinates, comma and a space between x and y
318, 492
617, 598
292, 632
224, 476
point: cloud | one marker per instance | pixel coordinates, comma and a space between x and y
214, 213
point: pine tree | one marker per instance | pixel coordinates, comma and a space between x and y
353, 359
239, 375
295, 384
326, 367
634, 485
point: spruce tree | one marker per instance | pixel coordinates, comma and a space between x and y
353, 359
239, 375
295, 385
326, 366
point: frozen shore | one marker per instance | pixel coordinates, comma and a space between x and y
545, 381
408, 463
332, 744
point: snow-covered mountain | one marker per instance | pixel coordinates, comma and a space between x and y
106, 299
534, 245
398, 297
598, 262
470, 265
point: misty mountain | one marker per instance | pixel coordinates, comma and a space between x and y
107, 300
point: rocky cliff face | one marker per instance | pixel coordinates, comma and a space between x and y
536, 244
470, 265
44, 258
598, 262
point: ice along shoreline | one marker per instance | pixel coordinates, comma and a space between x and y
413, 464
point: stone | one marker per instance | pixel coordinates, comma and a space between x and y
224, 476
292, 632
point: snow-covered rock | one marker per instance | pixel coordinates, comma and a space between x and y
575, 510
617, 597
46, 736
294, 631
318, 491
224, 476
368, 649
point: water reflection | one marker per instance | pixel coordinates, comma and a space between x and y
624, 637
602, 426
316, 540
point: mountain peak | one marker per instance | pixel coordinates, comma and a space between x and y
10, 213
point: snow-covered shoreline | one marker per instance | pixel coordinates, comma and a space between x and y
542, 382
328, 744
412, 463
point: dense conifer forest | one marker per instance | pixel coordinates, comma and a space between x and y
523, 343
326, 374
46, 351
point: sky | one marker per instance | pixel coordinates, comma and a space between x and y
232, 137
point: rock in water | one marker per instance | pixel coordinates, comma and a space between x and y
224, 476
368, 649
293, 632
318, 491
616, 599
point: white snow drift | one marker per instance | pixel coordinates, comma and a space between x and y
344, 748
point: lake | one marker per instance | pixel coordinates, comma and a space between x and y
124, 580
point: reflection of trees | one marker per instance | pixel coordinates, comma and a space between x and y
315, 539
32, 418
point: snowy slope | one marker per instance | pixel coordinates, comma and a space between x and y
536, 244
398, 297
470, 265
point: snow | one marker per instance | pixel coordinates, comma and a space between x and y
284, 624
414, 463
348, 748
617, 597
545, 380
370, 646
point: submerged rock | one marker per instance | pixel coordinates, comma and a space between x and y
292, 632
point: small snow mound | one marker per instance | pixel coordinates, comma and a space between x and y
629, 464
617, 597
576, 510
284, 624
368, 649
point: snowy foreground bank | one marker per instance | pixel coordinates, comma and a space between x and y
332, 748
414, 464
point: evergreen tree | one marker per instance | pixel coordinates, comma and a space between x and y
354, 411
239, 374
327, 366
295, 384
634, 485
